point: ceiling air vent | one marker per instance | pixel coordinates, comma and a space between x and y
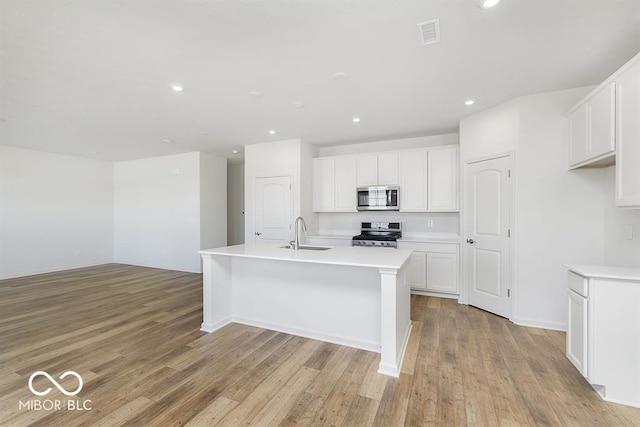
429, 31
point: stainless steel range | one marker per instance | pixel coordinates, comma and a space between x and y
382, 234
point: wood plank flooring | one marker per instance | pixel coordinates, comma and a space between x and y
133, 335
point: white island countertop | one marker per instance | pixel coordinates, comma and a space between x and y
606, 271
355, 256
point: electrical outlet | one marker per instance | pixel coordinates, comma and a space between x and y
430, 223
628, 232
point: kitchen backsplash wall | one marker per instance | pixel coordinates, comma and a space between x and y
412, 223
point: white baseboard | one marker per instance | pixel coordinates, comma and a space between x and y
212, 327
434, 294
542, 324
394, 371
54, 270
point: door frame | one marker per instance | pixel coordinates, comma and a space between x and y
464, 289
250, 220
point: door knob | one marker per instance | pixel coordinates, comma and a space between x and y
471, 241
257, 233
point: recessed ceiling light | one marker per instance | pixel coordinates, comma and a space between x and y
167, 141
177, 88
297, 104
254, 94
95, 152
272, 132
340, 76
356, 120
487, 4
469, 102
234, 151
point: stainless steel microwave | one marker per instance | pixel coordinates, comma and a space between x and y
379, 198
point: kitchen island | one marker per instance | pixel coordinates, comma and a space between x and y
352, 296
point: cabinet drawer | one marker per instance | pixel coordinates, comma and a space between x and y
578, 284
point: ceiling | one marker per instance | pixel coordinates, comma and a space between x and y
93, 78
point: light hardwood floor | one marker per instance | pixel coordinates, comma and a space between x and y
132, 333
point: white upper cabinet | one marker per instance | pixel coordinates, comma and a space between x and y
429, 179
628, 138
388, 168
578, 131
334, 184
602, 116
442, 179
592, 139
377, 169
324, 184
345, 184
367, 170
413, 180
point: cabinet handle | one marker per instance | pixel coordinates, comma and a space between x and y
471, 241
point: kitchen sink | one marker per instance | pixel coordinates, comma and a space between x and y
308, 248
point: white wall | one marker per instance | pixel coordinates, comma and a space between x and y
158, 211
558, 214
56, 212
235, 204
348, 224
213, 201
618, 249
281, 158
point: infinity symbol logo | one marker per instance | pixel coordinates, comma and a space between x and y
55, 383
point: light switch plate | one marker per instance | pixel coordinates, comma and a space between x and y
628, 232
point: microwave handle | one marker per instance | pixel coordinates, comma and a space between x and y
389, 198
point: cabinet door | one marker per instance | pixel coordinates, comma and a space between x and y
578, 135
388, 169
413, 180
367, 170
323, 185
418, 271
442, 179
442, 272
345, 184
577, 332
628, 137
602, 139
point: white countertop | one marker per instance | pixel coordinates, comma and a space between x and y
430, 237
605, 271
356, 256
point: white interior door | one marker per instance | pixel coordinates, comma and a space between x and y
273, 209
487, 226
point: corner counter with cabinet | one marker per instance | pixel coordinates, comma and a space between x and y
434, 265
603, 329
433, 268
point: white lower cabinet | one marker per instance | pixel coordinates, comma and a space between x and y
577, 331
442, 272
418, 271
433, 268
603, 330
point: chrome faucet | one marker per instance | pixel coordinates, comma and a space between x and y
295, 244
